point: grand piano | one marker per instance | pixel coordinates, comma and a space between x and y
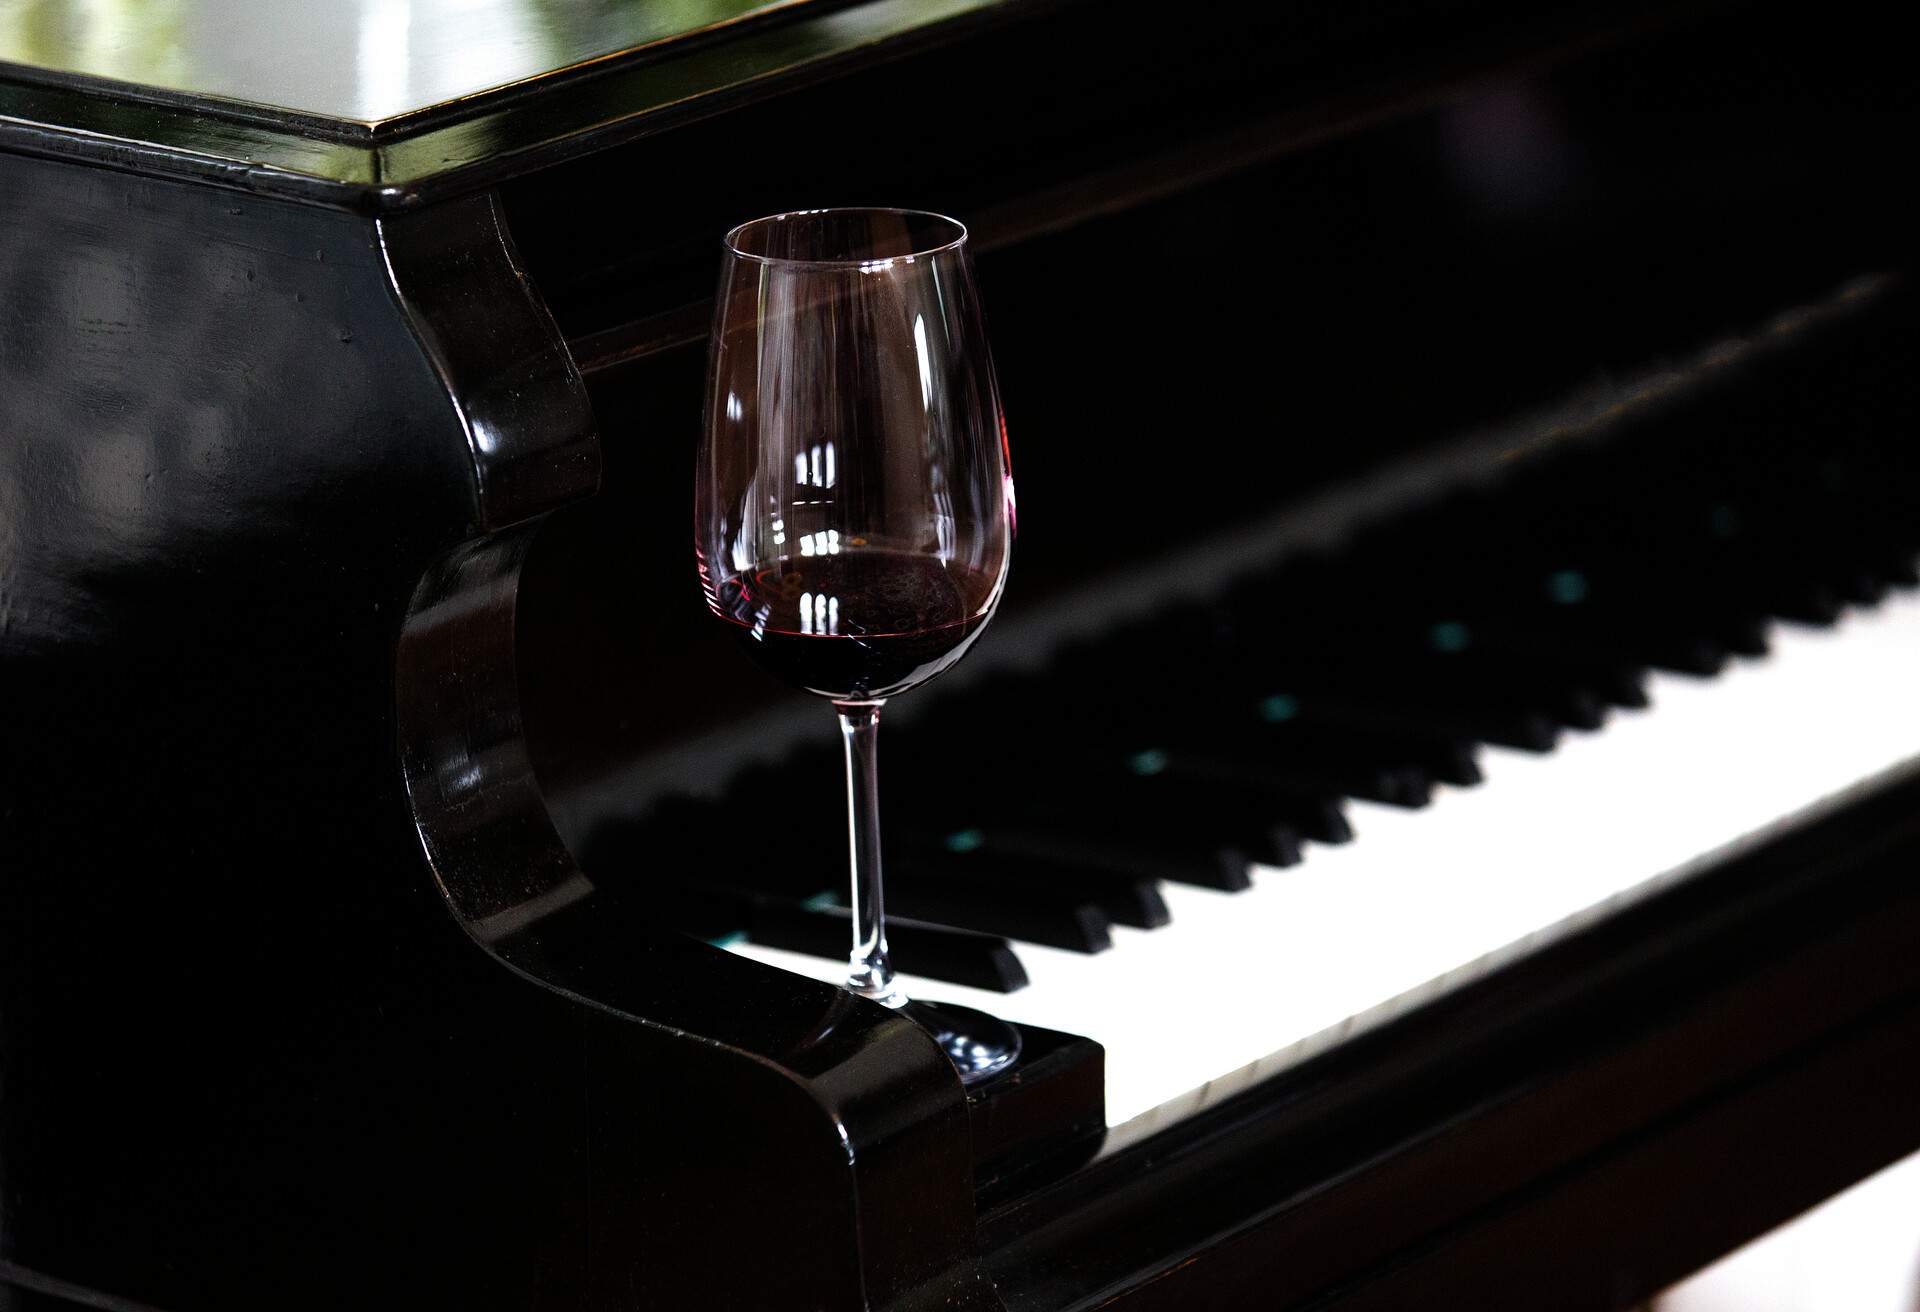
1440, 799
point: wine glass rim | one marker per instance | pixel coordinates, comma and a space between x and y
732, 241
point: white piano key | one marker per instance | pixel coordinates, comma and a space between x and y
1240, 986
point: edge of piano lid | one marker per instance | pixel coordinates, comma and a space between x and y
1125, 64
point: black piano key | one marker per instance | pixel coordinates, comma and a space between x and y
1579, 708
1390, 785
1657, 609
1594, 576
955, 956
1678, 625
1302, 725
1248, 731
1814, 531
1718, 581
1427, 668
1449, 729
1214, 738
1900, 569
1612, 675
1034, 915
1239, 741
1245, 807
1310, 638
1807, 601
1861, 586
1095, 794
1349, 773
1201, 786
723, 897
970, 857
1449, 760
1746, 592
1642, 626
1311, 789
1873, 531
1571, 659
1817, 553
1145, 848
1521, 729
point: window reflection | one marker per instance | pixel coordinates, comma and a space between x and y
926, 365
819, 613
361, 60
815, 466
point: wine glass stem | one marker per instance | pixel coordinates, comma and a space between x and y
870, 973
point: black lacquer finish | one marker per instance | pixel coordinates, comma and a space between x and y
519, 398
255, 1047
332, 635
236, 1015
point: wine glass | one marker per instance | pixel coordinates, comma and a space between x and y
854, 502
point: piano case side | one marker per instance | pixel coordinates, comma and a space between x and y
247, 1056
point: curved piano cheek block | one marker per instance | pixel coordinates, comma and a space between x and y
519, 399
730, 1109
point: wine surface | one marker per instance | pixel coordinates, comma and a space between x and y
857, 625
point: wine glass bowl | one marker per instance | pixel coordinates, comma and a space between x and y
853, 498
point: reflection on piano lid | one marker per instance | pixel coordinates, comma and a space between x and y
366, 64
384, 99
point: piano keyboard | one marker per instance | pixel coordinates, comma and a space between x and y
1225, 836
1421, 901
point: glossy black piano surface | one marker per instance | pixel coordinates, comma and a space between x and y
359, 68
369, 756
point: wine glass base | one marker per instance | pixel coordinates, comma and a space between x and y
979, 1046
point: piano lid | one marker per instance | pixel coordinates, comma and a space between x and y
364, 63
371, 104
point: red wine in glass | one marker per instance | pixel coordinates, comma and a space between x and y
858, 626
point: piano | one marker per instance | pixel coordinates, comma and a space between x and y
1441, 799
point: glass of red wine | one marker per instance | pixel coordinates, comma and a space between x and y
854, 501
